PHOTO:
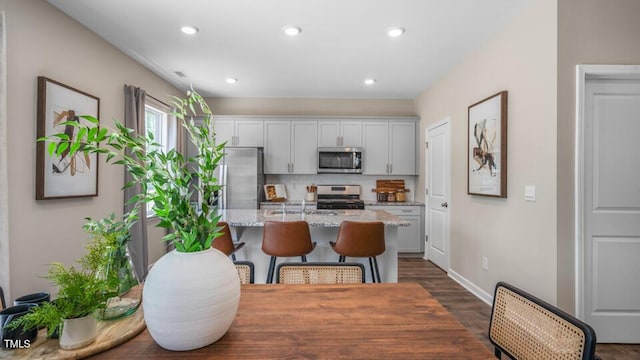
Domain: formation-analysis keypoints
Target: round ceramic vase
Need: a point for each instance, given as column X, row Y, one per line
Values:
column 189, row 300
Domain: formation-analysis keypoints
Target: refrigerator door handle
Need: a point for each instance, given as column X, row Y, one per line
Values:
column 224, row 186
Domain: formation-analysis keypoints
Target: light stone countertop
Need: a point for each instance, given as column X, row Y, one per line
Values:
column 393, row 203
column 366, row 202
column 315, row 218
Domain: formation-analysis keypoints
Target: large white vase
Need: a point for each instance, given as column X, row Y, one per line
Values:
column 190, row 299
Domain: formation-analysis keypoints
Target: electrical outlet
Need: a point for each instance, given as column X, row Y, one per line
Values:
column 485, row 263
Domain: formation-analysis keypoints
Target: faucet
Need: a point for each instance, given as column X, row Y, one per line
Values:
column 302, row 210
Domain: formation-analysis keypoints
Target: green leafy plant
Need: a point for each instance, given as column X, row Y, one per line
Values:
column 80, row 293
column 107, row 251
column 173, row 178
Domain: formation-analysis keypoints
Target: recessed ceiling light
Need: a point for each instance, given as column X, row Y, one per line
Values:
column 395, row 31
column 231, row 80
column 292, row 30
column 369, row 81
column 189, row 30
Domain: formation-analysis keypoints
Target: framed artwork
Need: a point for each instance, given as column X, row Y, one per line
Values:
column 487, row 147
column 275, row 192
column 63, row 176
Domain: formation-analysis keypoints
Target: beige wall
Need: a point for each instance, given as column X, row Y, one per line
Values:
column 518, row 237
column 42, row 41
column 311, row 107
column 589, row 32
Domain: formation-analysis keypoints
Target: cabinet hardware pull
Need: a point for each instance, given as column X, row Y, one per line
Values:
column 444, row 204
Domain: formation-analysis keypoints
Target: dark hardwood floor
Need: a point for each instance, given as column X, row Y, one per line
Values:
column 473, row 313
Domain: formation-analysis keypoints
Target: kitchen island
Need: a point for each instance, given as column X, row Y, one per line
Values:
column 246, row 226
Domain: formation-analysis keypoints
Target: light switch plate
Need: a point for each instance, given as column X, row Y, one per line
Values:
column 530, row 192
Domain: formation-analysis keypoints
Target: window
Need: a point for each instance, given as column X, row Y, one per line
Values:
column 157, row 122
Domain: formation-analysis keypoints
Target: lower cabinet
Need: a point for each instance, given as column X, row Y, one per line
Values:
column 409, row 238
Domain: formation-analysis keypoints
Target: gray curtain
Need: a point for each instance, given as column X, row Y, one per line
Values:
column 4, row 184
column 134, row 118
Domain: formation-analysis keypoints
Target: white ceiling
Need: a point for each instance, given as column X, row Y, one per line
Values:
column 342, row 42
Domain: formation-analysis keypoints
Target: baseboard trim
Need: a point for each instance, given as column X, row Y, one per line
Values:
column 473, row 288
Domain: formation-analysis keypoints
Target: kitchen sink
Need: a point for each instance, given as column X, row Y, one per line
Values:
column 308, row 212
column 321, row 212
column 279, row 212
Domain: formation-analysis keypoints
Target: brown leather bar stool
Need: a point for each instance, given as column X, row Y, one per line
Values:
column 361, row 239
column 225, row 243
column 285, row 239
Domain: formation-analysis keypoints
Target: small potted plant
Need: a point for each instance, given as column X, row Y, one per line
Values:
column 80, row 294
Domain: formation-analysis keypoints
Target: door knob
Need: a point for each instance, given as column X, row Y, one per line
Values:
column 444, row 204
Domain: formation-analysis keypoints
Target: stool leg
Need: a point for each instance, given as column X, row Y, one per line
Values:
column 233, row 257
column 375, row 262
column 304, row 258
column 373, row 276
column 341, row 258
column 272, row 265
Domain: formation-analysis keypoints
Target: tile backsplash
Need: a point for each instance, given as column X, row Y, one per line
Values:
column 296, row 185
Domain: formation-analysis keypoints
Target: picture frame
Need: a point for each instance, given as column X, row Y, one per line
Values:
column 60, row 177
column 487, row 147
column 275, row 192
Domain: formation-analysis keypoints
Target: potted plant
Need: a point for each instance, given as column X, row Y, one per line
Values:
column 80, row 294
column 191, row 294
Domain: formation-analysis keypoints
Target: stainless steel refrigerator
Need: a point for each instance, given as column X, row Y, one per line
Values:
column 242, row 178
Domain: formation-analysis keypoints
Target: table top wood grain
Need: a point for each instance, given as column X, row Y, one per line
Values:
column 369, row 321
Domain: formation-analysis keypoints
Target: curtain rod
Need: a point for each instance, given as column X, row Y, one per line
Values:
column 158, row 100
column 154, row 98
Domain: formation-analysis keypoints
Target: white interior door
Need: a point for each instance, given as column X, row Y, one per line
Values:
column 438, row 168
column 611, row 208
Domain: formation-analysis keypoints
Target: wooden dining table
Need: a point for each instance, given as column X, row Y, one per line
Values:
column 368, row 321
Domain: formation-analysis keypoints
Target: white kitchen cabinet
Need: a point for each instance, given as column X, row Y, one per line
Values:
column 375, row 155
column 244, row 132
column 389, row 147
column 225, row 131
column 290, row 147
column 304, row 147
column 409, row 238
column 345, row 133
column 402, row 148
column 277, row 146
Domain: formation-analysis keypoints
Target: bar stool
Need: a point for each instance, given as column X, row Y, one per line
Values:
column 285, row 239
column 361, row 239
column 225, row 242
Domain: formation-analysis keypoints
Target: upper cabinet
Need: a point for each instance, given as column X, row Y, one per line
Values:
column 291, row 143
column 290, row 147
column 389, row 147
column 239, row 131
column 332, row 133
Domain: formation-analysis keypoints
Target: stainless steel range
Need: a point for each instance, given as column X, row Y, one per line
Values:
column 339, row 197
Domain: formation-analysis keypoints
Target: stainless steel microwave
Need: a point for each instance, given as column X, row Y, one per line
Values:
column 340, row 160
